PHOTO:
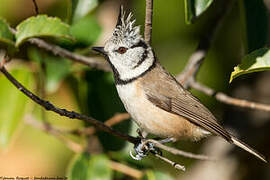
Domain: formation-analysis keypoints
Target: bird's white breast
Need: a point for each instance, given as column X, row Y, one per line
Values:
column 147, row 116
column 132, row 100
column 152, row 119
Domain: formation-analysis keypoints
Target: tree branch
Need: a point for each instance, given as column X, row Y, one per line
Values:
column 58, row 51
column 63, row 112
column 178, row 152
column 172, row 163
column 148, row 21
column 222, row 97
column 110, row 122
column 196, row 59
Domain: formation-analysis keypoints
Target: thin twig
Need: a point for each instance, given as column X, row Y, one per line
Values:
column 179, row 152
column 222, row 97
column 58, row 51
column 148, row 21
column 192, row 67
column 126, row 169
column 110, row 122
column 78, row 148
column 36, row 7
column 63, row 112
column 117, row 118
column 195, row 61
column 172, row 163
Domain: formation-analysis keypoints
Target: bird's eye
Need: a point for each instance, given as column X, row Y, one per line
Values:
column 122, row 50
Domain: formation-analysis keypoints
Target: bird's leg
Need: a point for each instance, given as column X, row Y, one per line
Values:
column 142, row 134
column 143, row 148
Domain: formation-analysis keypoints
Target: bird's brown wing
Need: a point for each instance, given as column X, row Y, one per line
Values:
column 167, row 94
column 192, row 110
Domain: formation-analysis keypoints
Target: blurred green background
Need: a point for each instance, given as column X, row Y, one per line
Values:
column 28, row 151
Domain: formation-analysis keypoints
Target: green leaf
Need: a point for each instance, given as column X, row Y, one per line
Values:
column 57, row 68
column 43, row 26
column 12, row 104
column 86, row 167
column 6, row 35
column 99, row 168
column 258, row 60
column 156, row 175
column 79, row 167
column 194, row 8
column 254, row 20
column 86, row 30
column 82, row 8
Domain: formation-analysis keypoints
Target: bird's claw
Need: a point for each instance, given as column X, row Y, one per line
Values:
column 142, row 149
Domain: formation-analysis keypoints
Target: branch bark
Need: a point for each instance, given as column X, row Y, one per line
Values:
column 148, row 21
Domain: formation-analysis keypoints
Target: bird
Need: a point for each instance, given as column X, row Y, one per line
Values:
column 156, row 101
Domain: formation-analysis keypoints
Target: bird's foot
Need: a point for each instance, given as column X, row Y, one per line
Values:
column 143, row 148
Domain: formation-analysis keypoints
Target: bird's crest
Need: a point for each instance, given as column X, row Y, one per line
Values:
column 125, row 31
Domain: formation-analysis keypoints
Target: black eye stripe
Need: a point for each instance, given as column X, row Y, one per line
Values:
column 140, row 44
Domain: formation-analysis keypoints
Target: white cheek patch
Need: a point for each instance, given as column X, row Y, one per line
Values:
column 127, row 71
column 131, row 57
column 131, row 64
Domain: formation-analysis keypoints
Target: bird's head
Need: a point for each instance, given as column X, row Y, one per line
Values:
column 126, row 51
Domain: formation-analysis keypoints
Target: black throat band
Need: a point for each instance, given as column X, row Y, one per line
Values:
column 119, row 81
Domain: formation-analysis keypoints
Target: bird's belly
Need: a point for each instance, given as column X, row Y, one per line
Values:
column 154, row 120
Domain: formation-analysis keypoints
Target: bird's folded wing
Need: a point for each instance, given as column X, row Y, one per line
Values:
column 185, row 105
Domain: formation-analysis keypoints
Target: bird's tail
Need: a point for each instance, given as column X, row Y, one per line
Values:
column 246, row 147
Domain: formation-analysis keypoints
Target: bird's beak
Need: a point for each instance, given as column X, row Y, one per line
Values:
column 100, row 50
